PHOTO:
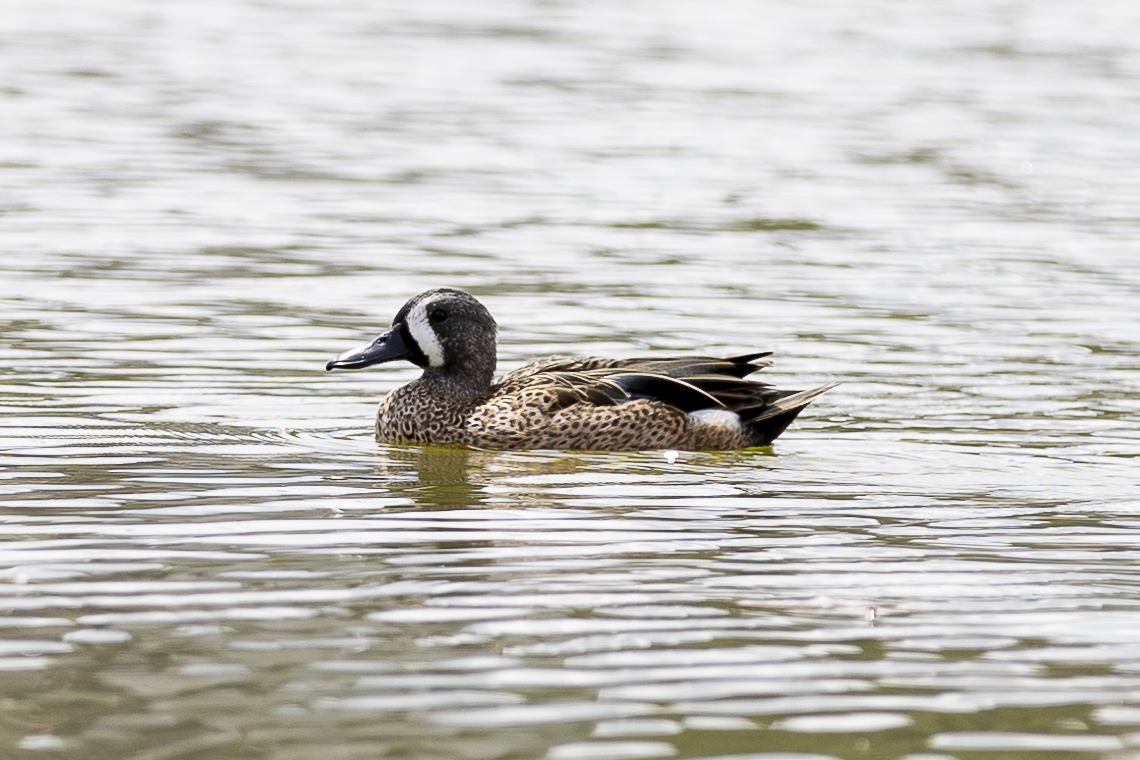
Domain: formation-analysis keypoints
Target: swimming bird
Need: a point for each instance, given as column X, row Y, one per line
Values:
column 583, row 403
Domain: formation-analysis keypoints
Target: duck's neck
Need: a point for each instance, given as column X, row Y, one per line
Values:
column 464, row 384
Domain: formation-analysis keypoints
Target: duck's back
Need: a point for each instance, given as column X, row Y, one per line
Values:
column 680, row 367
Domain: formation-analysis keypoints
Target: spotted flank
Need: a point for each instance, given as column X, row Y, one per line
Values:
column 583, row 403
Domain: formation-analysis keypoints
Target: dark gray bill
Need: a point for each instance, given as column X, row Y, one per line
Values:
column 388, row 347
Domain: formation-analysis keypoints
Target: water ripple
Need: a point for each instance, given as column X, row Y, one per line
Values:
column 204, row 553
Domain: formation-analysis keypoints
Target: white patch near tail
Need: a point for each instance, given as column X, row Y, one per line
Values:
column 424, row 334
column 721, row 418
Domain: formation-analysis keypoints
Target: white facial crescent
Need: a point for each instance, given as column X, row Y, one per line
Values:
column 424, row 335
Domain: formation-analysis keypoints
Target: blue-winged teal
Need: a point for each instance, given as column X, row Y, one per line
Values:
column 695, row 403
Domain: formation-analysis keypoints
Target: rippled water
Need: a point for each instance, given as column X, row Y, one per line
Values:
column 205, row 556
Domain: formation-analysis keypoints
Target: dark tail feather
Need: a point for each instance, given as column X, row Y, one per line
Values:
column 774, row 418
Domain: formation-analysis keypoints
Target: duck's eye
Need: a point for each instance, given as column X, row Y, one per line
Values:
column 438, row 315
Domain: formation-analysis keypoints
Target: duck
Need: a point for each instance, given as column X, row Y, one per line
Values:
column 584, row 403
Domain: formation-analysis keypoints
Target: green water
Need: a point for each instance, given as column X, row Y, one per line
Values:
column 204, row 556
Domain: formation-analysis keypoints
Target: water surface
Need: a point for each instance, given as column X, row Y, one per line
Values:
column 205, row 555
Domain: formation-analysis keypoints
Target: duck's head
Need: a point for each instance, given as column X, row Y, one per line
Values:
column 445, row 331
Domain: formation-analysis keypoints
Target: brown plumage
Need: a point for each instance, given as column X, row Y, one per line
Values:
column 585, row 403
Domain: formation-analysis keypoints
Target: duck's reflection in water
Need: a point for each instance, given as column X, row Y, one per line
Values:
column 451, row 477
